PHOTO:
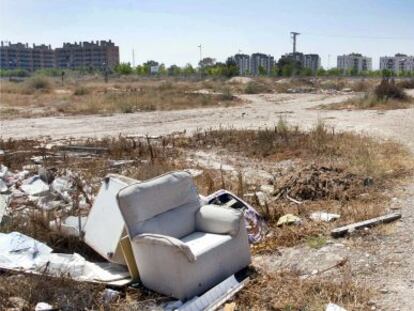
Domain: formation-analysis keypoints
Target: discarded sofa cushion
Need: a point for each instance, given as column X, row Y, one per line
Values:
column 217, row 219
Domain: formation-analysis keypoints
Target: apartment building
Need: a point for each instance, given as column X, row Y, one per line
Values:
column 99, row 54
column 243, row 62
column 308, row 61
column 312, row 62
column 23, row 56
column 398, row 63
column 260, row 60
column 354, row 62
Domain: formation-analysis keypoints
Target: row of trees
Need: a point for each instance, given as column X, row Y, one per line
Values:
column 284, row 68
column 209, row 67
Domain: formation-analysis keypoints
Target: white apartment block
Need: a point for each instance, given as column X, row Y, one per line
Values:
column 398, row 63
column 243, row 62
column 355, row 62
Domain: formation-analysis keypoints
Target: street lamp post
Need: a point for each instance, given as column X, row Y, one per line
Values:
column 201, row 64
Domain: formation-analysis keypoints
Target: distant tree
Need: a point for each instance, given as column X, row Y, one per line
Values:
column 321, row 72
column 207, row 62
column 162, row 71
column 262, row 71
column 188, row 70
column 386, row 73
column 174, row 70
column 123, row 69
column 147, row 66
column 231, row 68
column 140, row 70
column 288, row 66
column 307, row 72
column 334, row 72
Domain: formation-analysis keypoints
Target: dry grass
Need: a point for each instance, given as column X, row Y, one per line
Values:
column 45, row 97
column 385, row 96
column 371, row 102
column 286, row 291
column 67, row 295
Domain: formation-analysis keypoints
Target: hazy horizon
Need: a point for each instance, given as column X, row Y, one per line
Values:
column 170, row 32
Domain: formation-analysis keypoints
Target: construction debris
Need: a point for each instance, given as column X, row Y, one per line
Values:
column 255, row 224
column 35, row 186
column 21, row 253
column 70, row 226
column 43, row 306
column 289, row 219
column 323, row 216
column 333, row 307
column 341, row 231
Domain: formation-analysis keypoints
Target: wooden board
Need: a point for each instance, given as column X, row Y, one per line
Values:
column 341, row 231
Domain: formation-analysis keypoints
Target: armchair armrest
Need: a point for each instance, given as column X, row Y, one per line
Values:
column 217, row 219
column 165, row 241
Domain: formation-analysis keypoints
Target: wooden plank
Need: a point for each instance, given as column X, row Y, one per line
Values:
column 129, row 258
column 341, row 231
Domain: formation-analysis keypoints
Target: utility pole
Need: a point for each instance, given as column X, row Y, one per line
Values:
column 293, row 35
column 201, row 64
column 133, row 58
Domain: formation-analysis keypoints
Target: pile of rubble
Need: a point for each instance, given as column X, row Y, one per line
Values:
column 320, row 182
column 44, row 190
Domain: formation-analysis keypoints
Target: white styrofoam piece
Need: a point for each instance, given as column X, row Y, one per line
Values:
column 105, row 226
column 20, row 252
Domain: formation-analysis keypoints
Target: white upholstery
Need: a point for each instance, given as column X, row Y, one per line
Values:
column 217, row 219
column 181, row 250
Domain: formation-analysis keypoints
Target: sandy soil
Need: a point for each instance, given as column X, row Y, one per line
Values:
column 390, row 269
column 259, row 111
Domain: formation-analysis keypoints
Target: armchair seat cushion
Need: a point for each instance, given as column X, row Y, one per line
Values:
column 202, row 242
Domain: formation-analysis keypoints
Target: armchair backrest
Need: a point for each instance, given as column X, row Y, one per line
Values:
column 163, row 205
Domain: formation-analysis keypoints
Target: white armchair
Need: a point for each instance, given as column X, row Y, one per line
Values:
column 181, row 248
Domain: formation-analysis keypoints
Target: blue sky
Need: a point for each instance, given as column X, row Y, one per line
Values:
column 170, row 31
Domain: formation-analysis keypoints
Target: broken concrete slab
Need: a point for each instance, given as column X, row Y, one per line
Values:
column 34, row 186
column 323, row 216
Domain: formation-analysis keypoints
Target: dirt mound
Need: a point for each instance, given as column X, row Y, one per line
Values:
column 319, row 182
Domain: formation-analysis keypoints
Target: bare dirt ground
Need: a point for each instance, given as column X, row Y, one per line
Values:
column 388, row 266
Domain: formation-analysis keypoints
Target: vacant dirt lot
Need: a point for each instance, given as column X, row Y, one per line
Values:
column 388, row 267
column 258, row 111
